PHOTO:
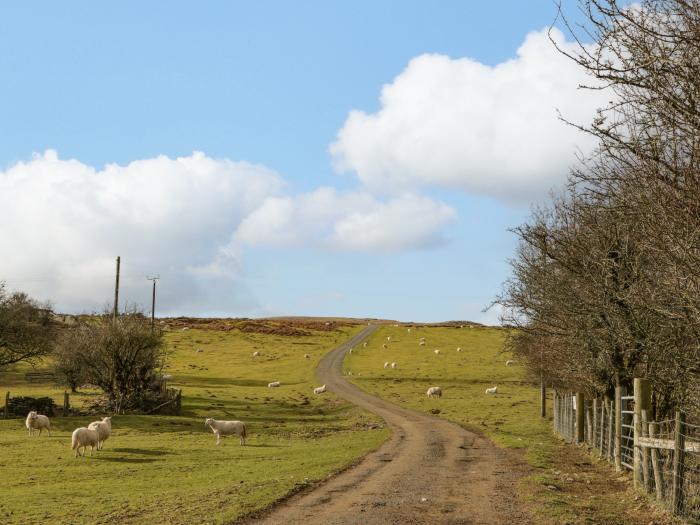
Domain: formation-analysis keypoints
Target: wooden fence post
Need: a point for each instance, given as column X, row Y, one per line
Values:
column 7, row 405
column 678, row 463
column 580, row 420
column 642, row 401
column 658, row 474
column 618, row 428
column 645, row 451
column 602, row 426
column 555, row 409
column 611, row 430
column 589, row 426
column 543, row 398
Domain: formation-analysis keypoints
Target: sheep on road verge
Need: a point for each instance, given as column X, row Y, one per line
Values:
column 84, row 437
column 37, row 422
column 434, row 391
column 226, row 428
column 104, row 430
column 320, row 389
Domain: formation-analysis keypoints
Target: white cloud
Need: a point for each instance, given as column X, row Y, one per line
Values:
column 487, row 130
column 351, row 221
column 64, row 222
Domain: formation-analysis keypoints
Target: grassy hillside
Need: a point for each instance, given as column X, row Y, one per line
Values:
column 564, row 485
column 162, row 469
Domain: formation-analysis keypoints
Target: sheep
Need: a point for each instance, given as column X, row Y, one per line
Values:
column 384, row 345
column 307, row 356
column 37, row 421
column 227, row 428
column 84, row 437
column 434, row 391
column 422, row 343
column 422, row 339
column 256, row 354
column 320, row 389
column 350, row 351
column 408, row 330
column 364, row 345
column 394, row 365
column 436, row 351
column 274, row 384
column 386, row 365
column 199, row 350
column 459, row 348
column 104, row 430
column 388, row 338
column 509, row 362
column 492, row 390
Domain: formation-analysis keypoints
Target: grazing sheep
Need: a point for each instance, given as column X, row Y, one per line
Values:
column 459, row 348
column 364, row 345
column 436, row 351
column 422, row 343
column 320, row 389
column 408, row 330
column 37, row 421
column 84, row 437
column 434, row 391
column 492, row 390
column 394, row 365
column 307, row 356
column 350, row 352
column 386, row 365
column 104, row 430
column 422, row 339
column 256, row 354
column 199, row 350
column 274, row 384
column 509, row 362
column 384, row 345
column 388, row 338
column 227, row 428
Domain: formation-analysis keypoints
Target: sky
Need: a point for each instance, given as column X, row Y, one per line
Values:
column 346, row 158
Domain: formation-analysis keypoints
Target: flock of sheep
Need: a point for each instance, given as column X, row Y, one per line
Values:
column 433, row 391
column 97, row 432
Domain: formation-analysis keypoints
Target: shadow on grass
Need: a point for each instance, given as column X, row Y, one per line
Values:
column 142, row 451
column 125, row 460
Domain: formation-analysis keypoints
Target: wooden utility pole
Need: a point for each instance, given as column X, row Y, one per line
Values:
column 116, row 292
column 580, row 421
column 153, row 301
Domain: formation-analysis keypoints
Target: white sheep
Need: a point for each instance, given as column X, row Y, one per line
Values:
column 394, row 365
column 37, row 421
column 320, row 389
column 274, row 384
column 408, row 330
column 256, row 354
column 422, row 343
column 422, row 339
column 384, row 345
column 307, row 356
column 386, row 364
column 350, row 352
column 436, row 351
column 492, row 390
column 226, row 428
column 104, row 430
column 434, row 391
column 509, row 362
column 459, row 348
column 364, row 345
column 83, row 437
column 388, row 338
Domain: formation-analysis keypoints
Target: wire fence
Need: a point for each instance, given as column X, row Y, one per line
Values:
column 663, row 456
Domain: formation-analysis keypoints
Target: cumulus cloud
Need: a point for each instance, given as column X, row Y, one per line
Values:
column 350, row 221
column 459, row 123
column 64, row 222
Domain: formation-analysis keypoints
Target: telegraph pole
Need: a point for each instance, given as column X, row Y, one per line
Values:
column 116, row 292
column 153, row 302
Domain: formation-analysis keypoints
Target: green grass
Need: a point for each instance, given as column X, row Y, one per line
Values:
column 564, row 484
column 163, row 469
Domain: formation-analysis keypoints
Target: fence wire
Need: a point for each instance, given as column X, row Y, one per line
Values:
column 675, row 483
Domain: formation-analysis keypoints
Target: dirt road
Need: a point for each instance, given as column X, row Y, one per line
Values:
column 429, row 472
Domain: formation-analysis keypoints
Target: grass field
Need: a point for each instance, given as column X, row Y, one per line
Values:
column 163, row 469
column 564, row 485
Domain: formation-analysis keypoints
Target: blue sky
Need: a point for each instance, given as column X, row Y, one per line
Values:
column 271, row 85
